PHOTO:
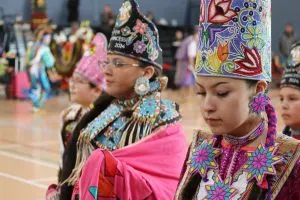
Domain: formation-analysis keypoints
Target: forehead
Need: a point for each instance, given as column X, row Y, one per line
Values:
column 78, row 75
column 289, row 91
column 207, row 81
column 119, row 57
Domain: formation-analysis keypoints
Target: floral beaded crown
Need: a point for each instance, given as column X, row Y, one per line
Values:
column 135, row 36
column 235, row 39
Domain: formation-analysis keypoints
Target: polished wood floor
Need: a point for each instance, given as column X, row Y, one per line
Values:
column 29, row 142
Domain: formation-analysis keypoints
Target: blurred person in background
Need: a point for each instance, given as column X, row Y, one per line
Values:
column 290, row 94
column 288, row 38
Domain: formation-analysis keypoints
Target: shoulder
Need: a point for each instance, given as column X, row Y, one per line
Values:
column 287, row 143
column 288, row 148
column 169, row 113
column 72, row 112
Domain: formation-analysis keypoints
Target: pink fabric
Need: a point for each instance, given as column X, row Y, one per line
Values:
column 22, row 84
column 88, row 66
column 149, row 169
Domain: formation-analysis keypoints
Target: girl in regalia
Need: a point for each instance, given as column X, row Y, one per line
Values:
column 243, row 157
column 86, row 85
column 131, row 145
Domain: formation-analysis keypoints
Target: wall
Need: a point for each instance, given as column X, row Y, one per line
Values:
column 283, row 11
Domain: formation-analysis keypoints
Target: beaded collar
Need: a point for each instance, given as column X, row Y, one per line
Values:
column 250, row 137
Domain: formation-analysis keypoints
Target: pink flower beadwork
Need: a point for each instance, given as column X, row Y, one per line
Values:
column 140, row 27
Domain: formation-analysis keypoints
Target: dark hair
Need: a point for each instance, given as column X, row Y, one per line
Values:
column 251, row 83
column 157, row 71
column 69, row 156
column 92, row 85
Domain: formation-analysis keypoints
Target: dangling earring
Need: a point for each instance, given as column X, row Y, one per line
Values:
column 258, row 103
column 142, row 86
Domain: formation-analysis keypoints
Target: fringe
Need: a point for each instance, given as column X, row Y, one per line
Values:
column 140, row 129
column 85, row 150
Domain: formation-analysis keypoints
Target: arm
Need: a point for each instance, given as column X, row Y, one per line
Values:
column 110, row 179
column 47, row 58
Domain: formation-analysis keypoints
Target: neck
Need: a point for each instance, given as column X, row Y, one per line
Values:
column 246, row 127
column 295, row 132
column 295, row 127
column 127, row 97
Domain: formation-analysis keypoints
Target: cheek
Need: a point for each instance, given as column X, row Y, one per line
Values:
column 234, row 111
column 295, row 109
column 127, row 80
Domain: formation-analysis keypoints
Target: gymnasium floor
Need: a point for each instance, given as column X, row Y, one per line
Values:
column 29, row 142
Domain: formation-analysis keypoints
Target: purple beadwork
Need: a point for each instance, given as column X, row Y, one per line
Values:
column 247, row 139
column 258, row 103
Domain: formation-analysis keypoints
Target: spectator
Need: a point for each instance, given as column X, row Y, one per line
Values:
column 107, row 20
column 185, row 57
column 73, row 10
column 150, row 16
column 288, row 38
column 277, row 71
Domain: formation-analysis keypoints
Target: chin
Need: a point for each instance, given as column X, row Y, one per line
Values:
column 219, row 130
column 292, row 125
column 110, row 92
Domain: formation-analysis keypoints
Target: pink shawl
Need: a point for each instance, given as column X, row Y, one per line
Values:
column 149, row 169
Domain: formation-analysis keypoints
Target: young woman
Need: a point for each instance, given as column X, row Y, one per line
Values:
column 290, row 94
column 131, row 145
column 86, row 85
column 242, row 157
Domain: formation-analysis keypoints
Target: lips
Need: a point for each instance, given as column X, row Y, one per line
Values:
column 285, row 116
column 108, row 82
column 212, row 121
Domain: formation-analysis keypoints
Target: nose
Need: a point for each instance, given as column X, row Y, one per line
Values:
column 208, row 104
column 108, row 70
column 71, row 85
column 284, row 104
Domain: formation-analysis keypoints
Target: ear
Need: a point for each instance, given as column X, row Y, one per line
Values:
column 261, row 86
column 97, row 92
column 148, row 72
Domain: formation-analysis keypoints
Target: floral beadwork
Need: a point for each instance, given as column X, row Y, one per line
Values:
column 203, row 158
column 220, row 11
column 220, row 190
column 234, row 39
column 261, row 162
column 139, row 47
column 125, row 13
column 140, row 27
column 258, row 103
column 253, row 36
column 135, row 35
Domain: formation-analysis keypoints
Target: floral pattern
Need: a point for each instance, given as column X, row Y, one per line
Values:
column 203, row 158
column 254, row 37
column 219, row 11
column 261, row 162
column 235, row 37
column 140, row 27
column 251, row 64
column 125, row 13
column 136, row 36
column 220, row 190
column 139, row 47
column 223, row 52
column 214, row 61
column 258, row 103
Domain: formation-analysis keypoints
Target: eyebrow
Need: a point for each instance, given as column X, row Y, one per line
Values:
column 215, row 85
